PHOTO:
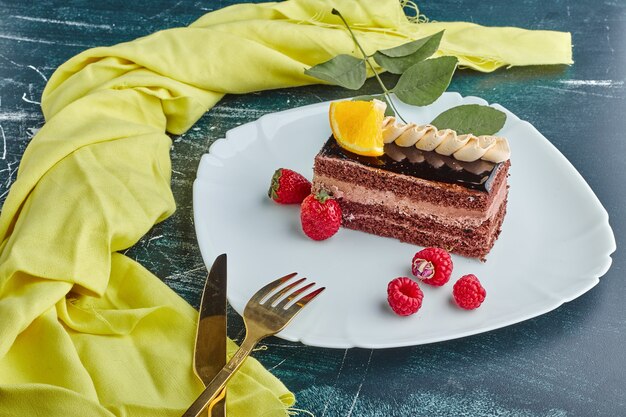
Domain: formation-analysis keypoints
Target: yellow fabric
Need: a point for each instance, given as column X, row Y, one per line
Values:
column 85, row 330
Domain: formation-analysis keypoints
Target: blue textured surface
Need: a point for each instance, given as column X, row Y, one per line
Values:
column 570, row 362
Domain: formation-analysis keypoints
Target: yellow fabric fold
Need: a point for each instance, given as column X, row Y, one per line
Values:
column 86, row 330
column 489, row 48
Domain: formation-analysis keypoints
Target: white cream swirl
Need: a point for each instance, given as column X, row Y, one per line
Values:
column 466, row 148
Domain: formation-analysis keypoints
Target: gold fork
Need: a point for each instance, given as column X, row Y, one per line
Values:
column 261, row 319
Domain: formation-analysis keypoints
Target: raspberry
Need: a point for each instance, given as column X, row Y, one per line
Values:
column 404, row 296
column 468, row 293
column 432, row 266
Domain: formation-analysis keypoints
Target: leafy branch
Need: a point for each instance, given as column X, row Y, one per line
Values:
column 366, row 59
column 422, row 79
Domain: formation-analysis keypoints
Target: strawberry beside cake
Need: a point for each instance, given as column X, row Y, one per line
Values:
column 430, row 187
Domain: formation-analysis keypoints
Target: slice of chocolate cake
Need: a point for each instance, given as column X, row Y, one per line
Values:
column 419, row 195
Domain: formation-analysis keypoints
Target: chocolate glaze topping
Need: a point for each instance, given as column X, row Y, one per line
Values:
column 477, row 175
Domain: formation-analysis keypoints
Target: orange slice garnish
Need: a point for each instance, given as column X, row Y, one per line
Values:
column 357, row 126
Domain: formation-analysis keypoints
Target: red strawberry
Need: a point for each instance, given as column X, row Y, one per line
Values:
column 288, row 187
column 320, row 215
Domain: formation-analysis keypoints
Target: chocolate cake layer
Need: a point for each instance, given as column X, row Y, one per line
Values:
column 470, row 243
column 426, row 223
column 431, row 166
column 404, row 205
column 331, row 171
column 438, row 193
column 418, row 197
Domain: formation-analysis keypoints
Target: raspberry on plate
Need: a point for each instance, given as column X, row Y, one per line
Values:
column 468, row 292
column 404, row 296
column 320, row 215
column 432, row 266
column 288, row 187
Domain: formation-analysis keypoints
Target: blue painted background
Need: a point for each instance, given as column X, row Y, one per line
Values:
column 570, row 362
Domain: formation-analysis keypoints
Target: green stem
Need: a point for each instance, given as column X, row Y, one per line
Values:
column 386, row 92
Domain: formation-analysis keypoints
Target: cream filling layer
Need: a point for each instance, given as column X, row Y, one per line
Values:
column 446, row 215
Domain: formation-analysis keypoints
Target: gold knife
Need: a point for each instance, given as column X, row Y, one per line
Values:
column 210, row 349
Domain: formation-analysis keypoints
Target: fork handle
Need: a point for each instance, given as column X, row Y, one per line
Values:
column 218, row 383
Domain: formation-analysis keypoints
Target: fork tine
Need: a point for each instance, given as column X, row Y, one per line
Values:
column 294, row 295
column 282, row 292
column 304, row 301
column 267, row 289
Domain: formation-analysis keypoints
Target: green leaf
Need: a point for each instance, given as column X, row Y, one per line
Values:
column 471, row 118
column 388, row 111
column 425, row 81
column 399, row 59
column 344, row 70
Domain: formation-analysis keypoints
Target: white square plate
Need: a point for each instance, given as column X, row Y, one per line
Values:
column 555, row 243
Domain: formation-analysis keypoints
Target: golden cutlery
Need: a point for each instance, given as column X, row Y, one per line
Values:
column 210, row 347
column 266, row 314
